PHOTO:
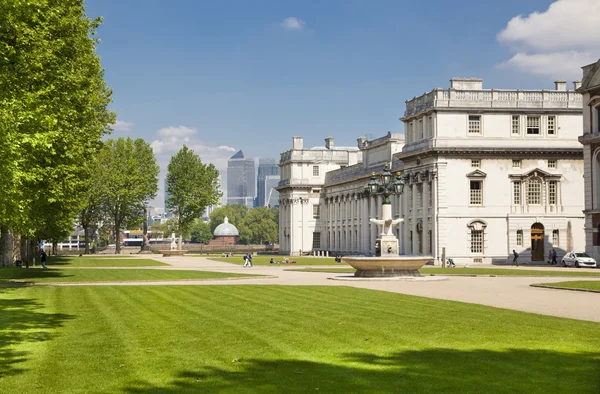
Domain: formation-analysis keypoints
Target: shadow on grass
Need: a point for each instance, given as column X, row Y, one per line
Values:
column 28, row 275
column 423, row 371
column 21, row 321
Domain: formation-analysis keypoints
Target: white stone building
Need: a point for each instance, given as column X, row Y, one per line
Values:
column 489, row 171
column 302, row 178
column 590, row 139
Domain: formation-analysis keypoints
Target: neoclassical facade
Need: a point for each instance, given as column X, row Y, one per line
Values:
column 486, row 172
column 492, row 171
column 590, row 139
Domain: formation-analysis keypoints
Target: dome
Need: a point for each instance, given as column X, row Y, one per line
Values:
column 226, row 229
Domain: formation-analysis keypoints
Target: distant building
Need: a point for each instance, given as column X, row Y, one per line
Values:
column 225, row 234
column 241, row 180
column 590, row 88
column 267, row 180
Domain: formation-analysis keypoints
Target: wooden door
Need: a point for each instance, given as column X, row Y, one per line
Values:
column 537, row 242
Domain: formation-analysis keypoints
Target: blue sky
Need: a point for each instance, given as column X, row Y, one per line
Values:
column 227, row 75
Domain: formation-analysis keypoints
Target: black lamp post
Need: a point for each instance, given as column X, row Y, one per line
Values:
column 381, row 184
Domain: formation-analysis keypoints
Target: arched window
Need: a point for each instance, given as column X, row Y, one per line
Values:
column 477, row 228
column 534, row 191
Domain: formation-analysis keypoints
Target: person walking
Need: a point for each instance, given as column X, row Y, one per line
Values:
column 250, row 259
column 247, row 260
column 515, row 258
column 554, row 262
column 44, row 257
column 550, row 257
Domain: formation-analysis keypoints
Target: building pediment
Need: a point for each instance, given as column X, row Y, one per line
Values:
column 536, row 172
column 476, row 174
column 592, row 79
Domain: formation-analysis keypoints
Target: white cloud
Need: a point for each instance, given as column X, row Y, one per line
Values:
column 169, row 141
column 555, row 42
column 122, row 126
column 293, row 23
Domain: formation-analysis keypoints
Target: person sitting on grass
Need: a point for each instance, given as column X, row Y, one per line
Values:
column 271, row 261
column 338, row 259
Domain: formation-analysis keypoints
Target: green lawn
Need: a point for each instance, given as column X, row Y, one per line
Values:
column 39, row 275
column 277, row 339
column 100, row 261
column 579, row 284
column 470, row 271
column 264, row 260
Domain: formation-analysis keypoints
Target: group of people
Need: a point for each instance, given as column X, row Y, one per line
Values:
column 248, row 260
column 285, row 261
column 551, row 257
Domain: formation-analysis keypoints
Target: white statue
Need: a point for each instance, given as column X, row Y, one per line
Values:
column 386, row 222
column 173, row 242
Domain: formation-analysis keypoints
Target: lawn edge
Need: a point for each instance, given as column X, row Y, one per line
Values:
column 563, row 288
column 29, row 284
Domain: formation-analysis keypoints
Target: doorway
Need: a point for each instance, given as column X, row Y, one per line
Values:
column 537, row 242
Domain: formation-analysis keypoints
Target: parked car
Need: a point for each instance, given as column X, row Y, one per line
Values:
column 578, row 260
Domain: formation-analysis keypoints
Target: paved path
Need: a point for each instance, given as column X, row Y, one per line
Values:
column 502, row 292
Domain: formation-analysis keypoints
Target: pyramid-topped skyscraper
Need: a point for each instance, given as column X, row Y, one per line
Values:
column 241, row 180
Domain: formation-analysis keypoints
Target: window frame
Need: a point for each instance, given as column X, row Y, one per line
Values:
column 516, row 163
column 517, row 193
column 316, row 171
column 552, row 163
column 479, row 125
column 316, row 240
column 554, row 126
column 537, row 201
column 528, row 127
column 475, row 163
column 515, row 125
column 316, row 214
column 519, row 237
column 476, row 194
column 555, row 238
column 477, row 241
column 552, row 192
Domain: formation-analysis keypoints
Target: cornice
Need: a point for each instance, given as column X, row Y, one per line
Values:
column 505, row 151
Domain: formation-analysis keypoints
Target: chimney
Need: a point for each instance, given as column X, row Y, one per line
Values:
column 329, row 142
column 362, row 142
column 298, row 143
column 576, row 85
column 560, row 85
column 466, row 83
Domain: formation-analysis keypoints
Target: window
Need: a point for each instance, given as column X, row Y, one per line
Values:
column 552, row 192
column 516, row 193
column 316, row 240
column 534, row 192
column 430, row 194
column 475, row 163
column 410, row 197
column 420, row 195
column 410, row 241
column 551, row 163
column 430, row 125
column 555, row 238
column 519, row 237
column 430, row 247
column 474, row 124
column 476, row 193
column 476, row 241
column 315, row 170
column 551, row 125
column 516, row 163
column 316, row 211
column 516, row 125
column 533, row 125
column 420, row 129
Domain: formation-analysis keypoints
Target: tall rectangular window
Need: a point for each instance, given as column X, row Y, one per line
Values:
column 552, row 192
column 430, row 194
column 555, row 238
column 420, row 129
column 516, row 193
column 474, row 124
column 515, row 125
column 430, row 125
column 476, row 241
column 316, row 240
column 410, row 197
column 551, row 125
column 430, row 248
column 315, row 170
column 533, row 125
column 519, row 237
column 316, row 211
column 410, row 241
column 476, row 193
column 420, row 195
column 534, row 192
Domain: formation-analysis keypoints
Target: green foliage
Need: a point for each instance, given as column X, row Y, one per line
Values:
column 235, row 213
column 192, row 186
column 200, row 232
column 259, row 226
column 53, row 112
column 127, row 175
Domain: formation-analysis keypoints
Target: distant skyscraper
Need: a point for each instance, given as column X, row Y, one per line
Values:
column 267, row 180
column 241, row 180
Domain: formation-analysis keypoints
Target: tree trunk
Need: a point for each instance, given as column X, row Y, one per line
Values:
column 33, row 251
column 86, row 238
column 25, row 258
column 54, row 249
column 6, row 247
column 117, row 237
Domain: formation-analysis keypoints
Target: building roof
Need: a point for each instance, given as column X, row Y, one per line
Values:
column 226, row 229
column 238, row 155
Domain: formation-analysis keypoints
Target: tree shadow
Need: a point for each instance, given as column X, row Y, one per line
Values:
column 21, row 321
column 28, row 275
column 420, row 371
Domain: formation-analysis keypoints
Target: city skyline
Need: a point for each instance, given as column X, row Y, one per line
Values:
column 225, row 76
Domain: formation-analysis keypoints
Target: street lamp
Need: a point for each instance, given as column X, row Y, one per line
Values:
column 384, row 185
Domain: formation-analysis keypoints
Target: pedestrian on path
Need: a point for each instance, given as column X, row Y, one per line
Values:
column 554, row 262
column 44, row 257
column 248, row 260
column 515, row 258
column 550, row 257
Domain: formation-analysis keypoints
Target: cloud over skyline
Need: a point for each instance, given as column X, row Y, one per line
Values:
column 556, row 42
column 122, row 127
column 293, row 23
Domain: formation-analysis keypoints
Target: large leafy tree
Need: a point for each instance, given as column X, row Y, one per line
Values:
column 53, row 112
column 191, row 186
column 200, row 232
column 128, row 177
column 259, row 226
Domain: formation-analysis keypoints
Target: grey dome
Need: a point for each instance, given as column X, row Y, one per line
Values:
column 226, row 229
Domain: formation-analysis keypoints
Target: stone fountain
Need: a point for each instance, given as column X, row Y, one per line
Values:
column 387, row 262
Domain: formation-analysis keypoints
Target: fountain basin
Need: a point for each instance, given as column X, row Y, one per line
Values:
column 386, row 266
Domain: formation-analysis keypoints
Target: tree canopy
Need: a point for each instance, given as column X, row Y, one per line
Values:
column 200, row 232
column 259, row 226
column 191, row 186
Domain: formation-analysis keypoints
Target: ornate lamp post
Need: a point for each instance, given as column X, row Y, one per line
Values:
column 382, row 184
